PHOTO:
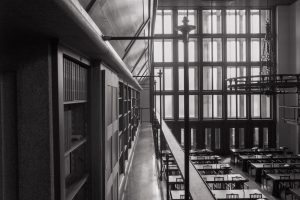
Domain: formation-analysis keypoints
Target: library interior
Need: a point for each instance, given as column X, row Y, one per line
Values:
column 149, row 99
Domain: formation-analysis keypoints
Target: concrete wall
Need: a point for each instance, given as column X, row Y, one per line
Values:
column 288, row 61
column 145, row 101
column 8, row 137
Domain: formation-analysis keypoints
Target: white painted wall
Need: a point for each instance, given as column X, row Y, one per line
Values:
column 288, row 61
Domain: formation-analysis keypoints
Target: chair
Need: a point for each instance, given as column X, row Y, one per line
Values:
column 255, row 196
column 232, row 196
column 236, row 185
column 219, row 185
column 285, row 186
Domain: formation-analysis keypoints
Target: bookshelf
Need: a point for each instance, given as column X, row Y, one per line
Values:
column 76, row 148
column 128, row 122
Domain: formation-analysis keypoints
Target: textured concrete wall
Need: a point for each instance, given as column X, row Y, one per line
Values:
column 8, row 137
column 145, row 101
column 288, row 61
column 34, row 128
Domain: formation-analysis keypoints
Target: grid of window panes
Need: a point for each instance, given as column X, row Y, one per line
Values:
column 226, row 43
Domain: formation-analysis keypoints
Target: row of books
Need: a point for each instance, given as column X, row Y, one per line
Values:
column 75, row 81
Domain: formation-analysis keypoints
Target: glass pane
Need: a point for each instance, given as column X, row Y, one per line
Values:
column 241, row 106
column 181, row 106
column 231, row 106
column 156, row 72
column 254, row 21
column 216, row 21
column 266, row 137
column 231, row 50
column 217, row 138
column 230, row 21
column 255, row 49
column 158, row 51
column 168, row 78
column 180, row 78
column 255, row 71
column 231, row 73
column 241, row 50
column 207, row 50
column 158, row 22
column 241, row 21
column 180, row 51
column 208, row 138
column 157, row 101
column 193, row 78
column 256, row 137
column 206, row 23
column 241, row 138
column 168, row 29
column 168, row 51
column 264, row 17
column 232, row 137
column 207, row 78
column 217, row 49
column 207, row 106
column 265, row 106
column 192, row 50
column 255, row 105
column 217, row 106
column 193, row 138
column 217, row 78
column 168, row 106
column 193, row 106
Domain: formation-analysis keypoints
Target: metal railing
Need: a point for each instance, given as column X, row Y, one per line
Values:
column 290, row 114
column 198, row 188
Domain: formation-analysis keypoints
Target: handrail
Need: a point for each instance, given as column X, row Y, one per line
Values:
column 106, row 51
column 198, row 188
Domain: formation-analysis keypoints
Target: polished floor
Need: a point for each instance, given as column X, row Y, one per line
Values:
column 143, row 183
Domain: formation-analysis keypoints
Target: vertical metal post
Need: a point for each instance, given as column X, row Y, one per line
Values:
column 185, row 29
column 167, row 171
column 160, row 130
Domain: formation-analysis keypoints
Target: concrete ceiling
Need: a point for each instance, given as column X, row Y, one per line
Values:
column 224, row 3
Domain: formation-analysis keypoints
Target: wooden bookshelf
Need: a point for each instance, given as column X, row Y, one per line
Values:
column 75, row 95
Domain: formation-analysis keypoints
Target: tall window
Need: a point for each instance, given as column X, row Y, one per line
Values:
column 227, row 43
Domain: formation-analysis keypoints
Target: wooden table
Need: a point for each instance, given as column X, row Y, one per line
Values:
column 177, row 194
column 261, row 166
column 205, row 159
column 235, row 181
column 243, row 194
column 245, row 159
column 198, row 152
column 296, row 193
column 173, row 170
column 276, row 181
column 236, row 152
column 218, row 168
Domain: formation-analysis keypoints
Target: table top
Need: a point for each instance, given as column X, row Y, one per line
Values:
column 296, row 192
column 227, row 178
column 292, row 176
column 243, row 194
column 175, row 194
column 213, row 166
column 273, row 165
column 213, row 157
column 258, row 150
column 265, row 157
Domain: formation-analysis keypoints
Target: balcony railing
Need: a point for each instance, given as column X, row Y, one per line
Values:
column 198, row 188
column 290, row 114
